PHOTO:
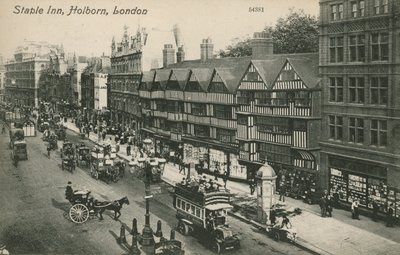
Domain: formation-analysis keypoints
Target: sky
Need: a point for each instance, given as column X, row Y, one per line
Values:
column 91, row 35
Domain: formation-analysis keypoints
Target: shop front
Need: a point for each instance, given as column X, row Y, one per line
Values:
column 355, row 179
column 214, row 159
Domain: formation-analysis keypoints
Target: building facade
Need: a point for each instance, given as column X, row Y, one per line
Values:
column 23, row 73
column 234, row 114
column 360, row 67
column 126, row 68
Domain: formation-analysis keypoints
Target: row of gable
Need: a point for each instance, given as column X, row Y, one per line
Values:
column 278, row 73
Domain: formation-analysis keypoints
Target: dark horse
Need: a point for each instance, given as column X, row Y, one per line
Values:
column 113, row 206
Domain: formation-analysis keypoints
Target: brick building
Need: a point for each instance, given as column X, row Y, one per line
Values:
column 360, row 67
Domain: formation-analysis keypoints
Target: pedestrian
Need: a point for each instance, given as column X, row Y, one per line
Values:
column 103, row 135
column 87, row 131
column 282, row 192
column 336, row 198
column 354, row 210
column 3, row 249
column 252, row 184
column 128, row 150
column 48, row 150
column 3, row 129
column 323, row 206
column 69, row 192
column 390, row 218
column 216, row 171
column 225, row 178
column 375, row 210
column 181, row 165
column 272, row 215
column 329, row 206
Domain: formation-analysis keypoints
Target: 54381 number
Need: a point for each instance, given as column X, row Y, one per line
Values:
column 256, row 9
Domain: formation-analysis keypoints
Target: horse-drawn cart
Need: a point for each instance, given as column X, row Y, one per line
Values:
column 68, row 157
column 84, row 206
column 83, row 156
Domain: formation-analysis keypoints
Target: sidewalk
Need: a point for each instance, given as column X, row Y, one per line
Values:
column 337, row 235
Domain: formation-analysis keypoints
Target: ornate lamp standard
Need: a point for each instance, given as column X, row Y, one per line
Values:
column 149, row 165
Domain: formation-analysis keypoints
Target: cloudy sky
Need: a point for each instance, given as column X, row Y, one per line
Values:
column 91, row 35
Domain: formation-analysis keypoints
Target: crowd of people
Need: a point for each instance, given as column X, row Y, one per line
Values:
column 201, row 184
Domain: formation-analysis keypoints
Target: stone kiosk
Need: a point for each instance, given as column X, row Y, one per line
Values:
column 265, row 179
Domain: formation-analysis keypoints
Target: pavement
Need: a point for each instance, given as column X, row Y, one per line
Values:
column 336, row 235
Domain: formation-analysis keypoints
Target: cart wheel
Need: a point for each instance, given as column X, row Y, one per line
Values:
column 79, row 213
column 217, row 248
column 276, row 236
column 183, row 228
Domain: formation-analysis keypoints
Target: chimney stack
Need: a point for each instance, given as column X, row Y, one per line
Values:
column 180, row 55
column 168, row 55
column 207, row 48
column 262, row 45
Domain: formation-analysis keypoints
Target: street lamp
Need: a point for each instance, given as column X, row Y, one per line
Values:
column 150, row 166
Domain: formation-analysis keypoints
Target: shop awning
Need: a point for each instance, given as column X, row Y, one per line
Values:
column 215, row 207
column 305, row 155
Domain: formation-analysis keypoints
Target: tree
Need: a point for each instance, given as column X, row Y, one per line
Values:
column 295, row 33
column 240, row 47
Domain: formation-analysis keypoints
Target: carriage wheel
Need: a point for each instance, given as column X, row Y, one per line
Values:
column 79, row 213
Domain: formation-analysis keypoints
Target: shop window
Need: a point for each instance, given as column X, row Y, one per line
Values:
column 178, row 203
column 356, row 90
column 335, row 127
column 187, row 207
column 183, row 207
column 377, row 190
column 380, row 47
column 197, row 212
column 223, row 111
column 379, row 133
column 336, row 89
column 356, row 130
column 336, row 49
column 379, row 90
column 357, row 189
column 357, row 48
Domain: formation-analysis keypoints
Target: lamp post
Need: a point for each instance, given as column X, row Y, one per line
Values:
column 149, row 165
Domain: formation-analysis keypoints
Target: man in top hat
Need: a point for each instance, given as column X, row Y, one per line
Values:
column 3, row 249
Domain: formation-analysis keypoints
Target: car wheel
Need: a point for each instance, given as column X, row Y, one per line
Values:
column 217, row 248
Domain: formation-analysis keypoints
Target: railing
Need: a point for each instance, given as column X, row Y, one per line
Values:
column 144, row 94
column 172, row 94
column 157, row 94
column 160, row 114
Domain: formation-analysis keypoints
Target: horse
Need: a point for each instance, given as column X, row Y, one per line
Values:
column 115, row 206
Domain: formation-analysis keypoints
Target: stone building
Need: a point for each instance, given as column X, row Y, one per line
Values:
column 360, row 67
column 23, row 73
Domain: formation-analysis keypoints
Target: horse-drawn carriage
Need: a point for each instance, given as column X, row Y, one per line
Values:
column 102, row 167
column 84, row 205
column 83, row 156
column 68, row 157
column 60, row 132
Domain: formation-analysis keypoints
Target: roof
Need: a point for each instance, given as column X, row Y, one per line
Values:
column 182, row 76
column 162, row 76
column 269, row 69
column 147, row 79
column 214, row 207
column 307, row 69
column 203, row 76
